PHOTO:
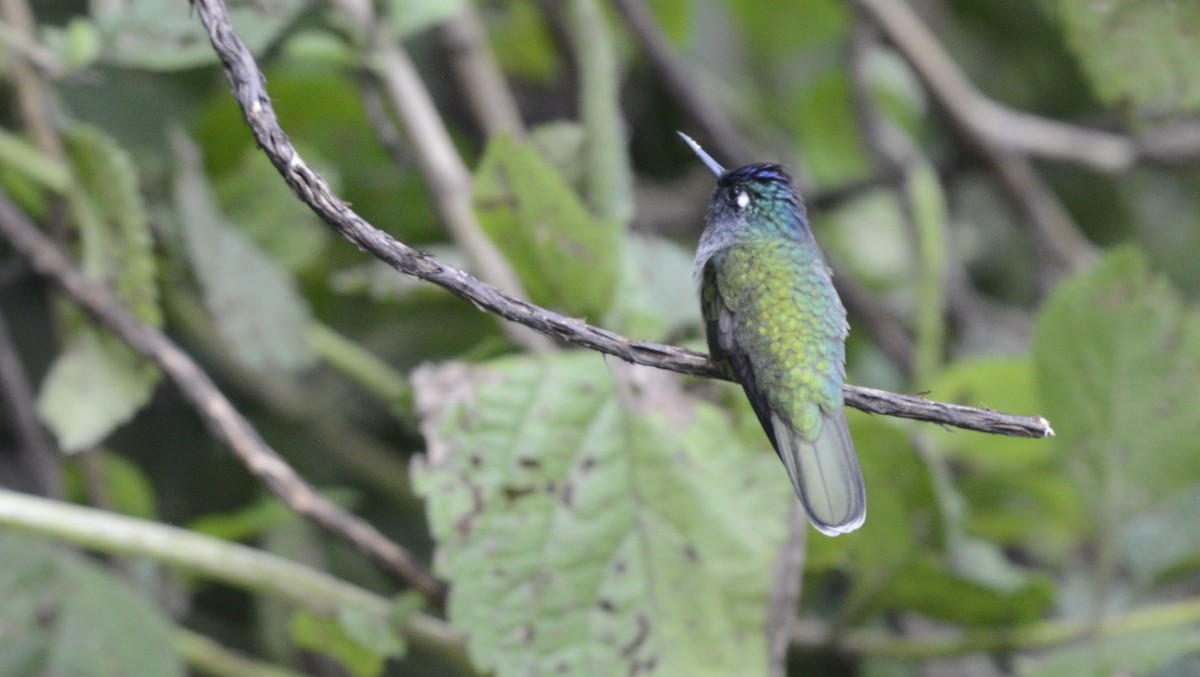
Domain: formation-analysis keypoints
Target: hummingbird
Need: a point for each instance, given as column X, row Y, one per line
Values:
column 776, row 325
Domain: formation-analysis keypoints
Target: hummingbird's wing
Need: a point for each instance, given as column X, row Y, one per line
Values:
column 719, row 323
column 824, row 470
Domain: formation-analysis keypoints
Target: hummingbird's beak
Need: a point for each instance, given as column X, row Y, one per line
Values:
column 705, row 157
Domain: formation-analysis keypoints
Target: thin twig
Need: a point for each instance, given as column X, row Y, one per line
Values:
column 31, row 95
column 1012, row 129
column 248, row 89
column 35, row 448
column 479, row 77
column 381, row 121
column 218, row 413
column 895, row 153
column 784, row 595
column 808, row 634
column 447, row 177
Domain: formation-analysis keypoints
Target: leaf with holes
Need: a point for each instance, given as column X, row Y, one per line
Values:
column 593, row 527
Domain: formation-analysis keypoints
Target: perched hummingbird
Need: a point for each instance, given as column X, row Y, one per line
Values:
column 775, row 324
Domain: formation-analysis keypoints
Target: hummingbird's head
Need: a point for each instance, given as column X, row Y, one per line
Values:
column 760, row 194
column 754, row 196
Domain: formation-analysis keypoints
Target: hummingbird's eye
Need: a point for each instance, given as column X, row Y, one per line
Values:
column 741, row 199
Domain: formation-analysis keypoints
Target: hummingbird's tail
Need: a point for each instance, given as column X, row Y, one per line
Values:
column 825, row 473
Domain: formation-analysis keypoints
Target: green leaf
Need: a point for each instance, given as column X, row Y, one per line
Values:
column 118, row 246
column 1140, row 53
column 594, row 529
column 901, row 515
column 565, row 257
column 63, row 615
column 359, row 641
column 96, row 384
column 929, row 587
column 259, row 204
column 523, row 44
column 999, row 383
column 78, row 44
column 1118, row 359
column 654, row 298
column 1155, row 545
column 768, row 32
column 409, row 17
column 245, row 523
column 1015, row 489
column 155, row 35
column 255, row 305
column 130, row 492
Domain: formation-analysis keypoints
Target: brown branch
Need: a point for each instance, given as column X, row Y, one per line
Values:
column 35, row 449
column 218, row 413
column 1006, row 138
column 248, row 88
column 1019, row 131
column 478, row 74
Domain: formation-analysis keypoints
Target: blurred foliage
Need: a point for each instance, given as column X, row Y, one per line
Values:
column 590, row 518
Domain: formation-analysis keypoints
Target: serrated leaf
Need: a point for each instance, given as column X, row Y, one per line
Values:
column 96, row 384
column 257, row 203
column 107, row 207
column 1118, row 359
column 565, row 257
column 587, row 531
column 331, row 637
column 155, row 35
column 62, row 615
column 1144, row 53
column 255, row 305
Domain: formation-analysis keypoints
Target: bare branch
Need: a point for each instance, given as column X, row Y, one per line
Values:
column 247, row 83
column 984, row 118
column 35, row 449
column 1005, row 137
column 479, row 76
column 448, row 179
column 218, row 413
